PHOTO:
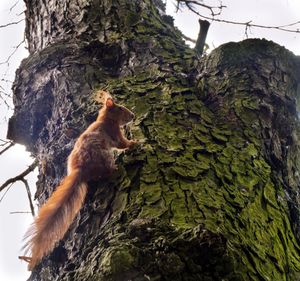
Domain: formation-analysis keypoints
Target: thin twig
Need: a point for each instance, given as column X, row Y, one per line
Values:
column 188, row 38
column 4, row 142
column 4, row 93
column 248, row 24
column 5, row 102
column 19, row 212
column 20, row 14
column 21, row 176
column 214, row 10
column 13, row 6
column 5, row 192
column 14, row 51
column 11, row 144
column 11, row 23
column 29, row 196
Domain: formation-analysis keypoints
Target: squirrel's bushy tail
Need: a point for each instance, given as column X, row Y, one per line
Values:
column 55, row 217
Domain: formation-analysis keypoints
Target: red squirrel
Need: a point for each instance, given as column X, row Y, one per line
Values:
column 91, row 158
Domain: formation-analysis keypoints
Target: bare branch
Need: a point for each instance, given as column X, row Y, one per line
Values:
column 11, row 144
column 13, row 6
column 11, row 23
column 4, row 100
column 4, row 142
column 21, row 176
column 29, row 196
column 5, row 192
column 19, row 212
column 188, row 38
column 4, row 93
column 14, row 51
column 214, row 10
column 190, row 4
column 249, row 24
column 20, row 14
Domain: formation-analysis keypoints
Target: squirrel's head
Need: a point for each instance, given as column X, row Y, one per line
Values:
column 117, row 113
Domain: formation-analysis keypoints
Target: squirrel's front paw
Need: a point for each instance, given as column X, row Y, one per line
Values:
column 132, row 143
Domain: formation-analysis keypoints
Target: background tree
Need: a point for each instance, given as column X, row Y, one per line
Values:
column 211, row 193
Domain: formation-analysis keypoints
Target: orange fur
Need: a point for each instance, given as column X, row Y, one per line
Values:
column 91, row 158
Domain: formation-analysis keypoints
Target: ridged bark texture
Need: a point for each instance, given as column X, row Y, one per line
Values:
column 211, row 193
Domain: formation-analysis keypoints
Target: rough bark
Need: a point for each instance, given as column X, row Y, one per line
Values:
column 212, row 191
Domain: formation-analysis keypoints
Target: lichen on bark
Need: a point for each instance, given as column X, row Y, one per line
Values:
column 211, row 191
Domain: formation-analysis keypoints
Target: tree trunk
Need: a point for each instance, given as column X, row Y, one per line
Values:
column 211, row 192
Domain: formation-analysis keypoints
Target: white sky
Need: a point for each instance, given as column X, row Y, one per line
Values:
column 16, row 160
column 262, row 12
column 13, row 227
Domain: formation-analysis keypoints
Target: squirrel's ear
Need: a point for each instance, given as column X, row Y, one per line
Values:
column 109, row 102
